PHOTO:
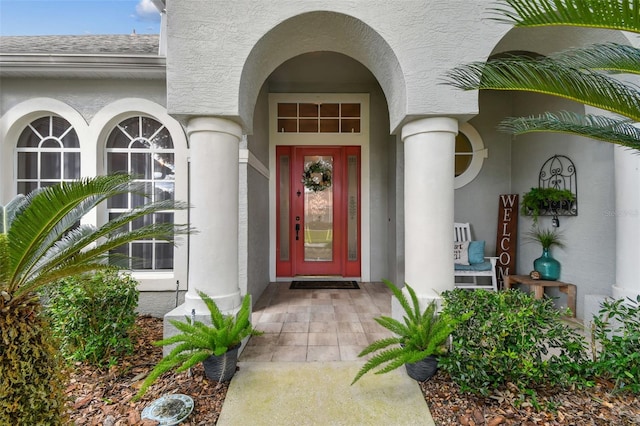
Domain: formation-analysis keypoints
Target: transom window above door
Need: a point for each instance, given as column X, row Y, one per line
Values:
column 318, row 117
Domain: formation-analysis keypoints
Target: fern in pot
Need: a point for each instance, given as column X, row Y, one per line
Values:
column 418, row 341
column 215, row 345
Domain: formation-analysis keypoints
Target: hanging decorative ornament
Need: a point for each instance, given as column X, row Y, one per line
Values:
column 317, row 176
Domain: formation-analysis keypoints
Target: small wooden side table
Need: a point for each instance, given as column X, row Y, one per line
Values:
column 538, row 287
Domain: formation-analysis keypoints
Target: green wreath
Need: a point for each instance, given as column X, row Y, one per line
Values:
column 317, row 176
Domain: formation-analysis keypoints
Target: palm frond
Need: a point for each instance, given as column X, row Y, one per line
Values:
column 9, row 212
column 389, row 355
column 549, row 77
column 399, row 295
column 619, row 131
column 380, row 344
column 608, row 14
column 45, row 216
column 611, row 57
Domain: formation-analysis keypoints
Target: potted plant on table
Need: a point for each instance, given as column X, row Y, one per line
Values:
column 538, row 200
column 546, row 265
column 215, row 345
column 418, row 341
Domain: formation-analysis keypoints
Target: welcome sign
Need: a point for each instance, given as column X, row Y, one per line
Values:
column 507, row 240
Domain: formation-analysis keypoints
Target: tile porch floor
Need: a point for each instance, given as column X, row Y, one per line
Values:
column 316, row 325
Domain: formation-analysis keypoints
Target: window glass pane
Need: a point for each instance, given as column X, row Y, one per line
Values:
column 308, row 110
column 50, row 143
column 284, row 191
column 309, row 126
column 26, row 187
column 71, row 165
column 463, row 144
column 163, row 167
column 287, row 110
column 352, row 218
column 318, row 217
column 330, row 126
column 120, row 201
column 117, row 139
column 164, row 191
column 350, row 126
column 50, row 165
column 131, row 127
column 462, row 163
column 142, row 254
column 42, row 127
column 59, row 126
column 162, row 140
column 149, row 127
column 140, row 144
column 140, row 200
column 330, row 110
column 70, row 140
column 117, row 162
column 28, row 139
column 141, row 165
column 350, row 110
column 289, row 125
column 27, row 165
column 119, row 256
column 164, row 256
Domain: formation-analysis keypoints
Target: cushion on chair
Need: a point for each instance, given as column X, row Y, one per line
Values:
column 461, row 253
column 476, row 252
column 484, row 266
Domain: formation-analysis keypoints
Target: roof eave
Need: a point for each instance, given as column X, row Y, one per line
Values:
column 82, row 66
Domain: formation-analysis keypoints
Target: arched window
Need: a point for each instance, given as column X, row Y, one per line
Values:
column 143, row 147
column 469, row 156
column 48, row 152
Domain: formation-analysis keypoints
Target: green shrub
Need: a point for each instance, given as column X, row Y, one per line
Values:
column 616, row 329
column 31, row 372
column 92, row 315
column 511, row 338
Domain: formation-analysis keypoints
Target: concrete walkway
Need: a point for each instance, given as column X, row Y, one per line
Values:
column 320, row 393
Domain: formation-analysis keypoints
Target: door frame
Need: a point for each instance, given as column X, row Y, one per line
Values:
column 322, row 139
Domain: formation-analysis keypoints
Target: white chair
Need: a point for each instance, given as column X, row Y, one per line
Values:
column 486, row 267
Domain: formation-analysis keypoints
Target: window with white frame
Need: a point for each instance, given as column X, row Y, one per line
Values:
column 47, row 153
column 142, row 147
column 469, row 155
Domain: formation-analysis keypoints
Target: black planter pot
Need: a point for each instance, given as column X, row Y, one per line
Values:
column 422, row 370
column 222, row 368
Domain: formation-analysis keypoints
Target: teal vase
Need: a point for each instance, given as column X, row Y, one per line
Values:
column 547, row 266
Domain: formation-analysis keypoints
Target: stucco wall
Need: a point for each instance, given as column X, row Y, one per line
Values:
column 408, row 41
column 86, row 96
column 589, row 257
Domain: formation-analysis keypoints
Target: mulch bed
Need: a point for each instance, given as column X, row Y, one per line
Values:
column 103, row 397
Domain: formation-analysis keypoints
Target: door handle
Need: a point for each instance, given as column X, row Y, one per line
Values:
column 297, row 231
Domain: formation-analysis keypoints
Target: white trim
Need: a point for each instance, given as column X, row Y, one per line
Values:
column 247, row 157
column 479, row 154
column 329, row 139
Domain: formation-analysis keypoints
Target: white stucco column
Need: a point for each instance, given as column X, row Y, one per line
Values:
column 428, row 204
column 627, row 214
column 213, row 249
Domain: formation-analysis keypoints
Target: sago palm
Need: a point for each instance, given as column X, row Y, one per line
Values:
column 39, row 244
column 584, row 75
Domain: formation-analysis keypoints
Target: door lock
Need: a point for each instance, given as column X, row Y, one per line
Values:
column 297, row 231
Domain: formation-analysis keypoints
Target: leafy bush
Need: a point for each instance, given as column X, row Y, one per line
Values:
column 31, row 393
column 92, row 315
column 511, row 338
column 616, row 329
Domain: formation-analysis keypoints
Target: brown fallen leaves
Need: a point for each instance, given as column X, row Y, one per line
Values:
column 595, row 406
column 103, row 397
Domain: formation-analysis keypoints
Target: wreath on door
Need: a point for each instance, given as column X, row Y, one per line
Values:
column 317, row 176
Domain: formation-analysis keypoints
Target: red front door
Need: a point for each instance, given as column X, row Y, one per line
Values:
column 318, row 211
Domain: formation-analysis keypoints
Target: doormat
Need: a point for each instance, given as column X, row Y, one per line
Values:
column 324, row 285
